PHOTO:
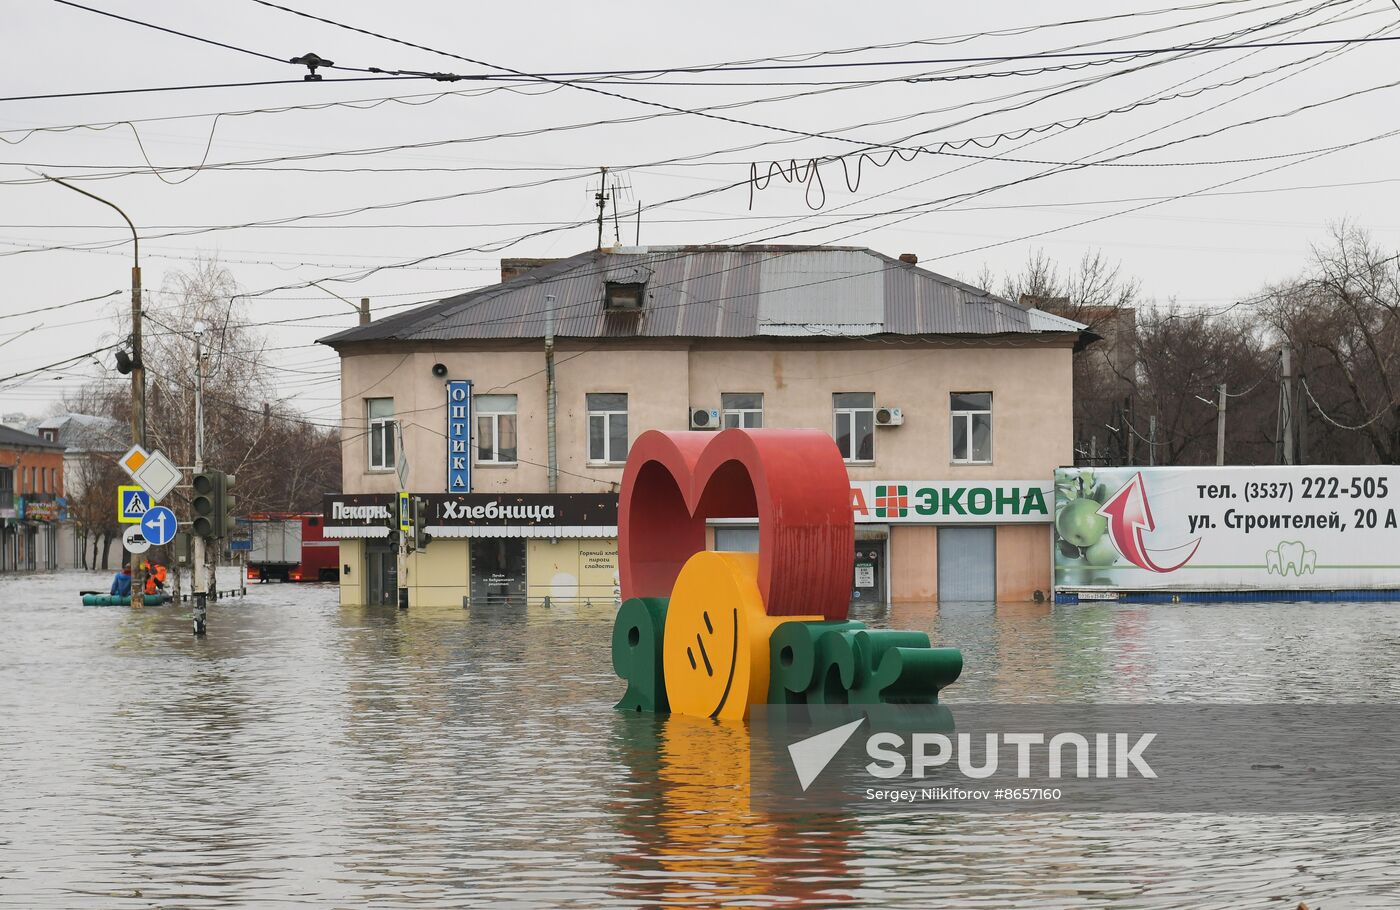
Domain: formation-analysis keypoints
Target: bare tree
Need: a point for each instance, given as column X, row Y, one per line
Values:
column 1097, row 294
column 281, row 461
column 1342, row 318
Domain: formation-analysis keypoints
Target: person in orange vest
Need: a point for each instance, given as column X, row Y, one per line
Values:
column 155, row 577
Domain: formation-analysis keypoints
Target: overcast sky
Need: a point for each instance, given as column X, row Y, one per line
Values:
column 1244, row 224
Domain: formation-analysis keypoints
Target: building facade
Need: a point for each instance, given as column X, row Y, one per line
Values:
column 91, row 446
column 951, row 407
column 32, row 506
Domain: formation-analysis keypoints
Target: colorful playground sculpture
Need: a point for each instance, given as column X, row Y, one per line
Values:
column 711, row 633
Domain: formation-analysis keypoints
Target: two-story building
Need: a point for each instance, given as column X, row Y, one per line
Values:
column 31, row 501
column 91, row 445
column 510, row 409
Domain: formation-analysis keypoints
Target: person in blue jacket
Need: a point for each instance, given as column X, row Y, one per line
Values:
column 121, row 583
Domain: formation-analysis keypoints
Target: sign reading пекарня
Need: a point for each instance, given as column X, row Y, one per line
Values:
column 1227, row 528
column 951, row 502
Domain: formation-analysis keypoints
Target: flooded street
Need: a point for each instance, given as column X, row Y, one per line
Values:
column 305, row 754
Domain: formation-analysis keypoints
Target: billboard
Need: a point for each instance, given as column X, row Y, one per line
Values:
column 1227, row 528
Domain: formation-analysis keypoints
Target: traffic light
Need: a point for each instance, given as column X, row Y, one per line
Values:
column 213, row 504
column 204, row 505
column 421, row 537
column 391, row 521
column 224, row 503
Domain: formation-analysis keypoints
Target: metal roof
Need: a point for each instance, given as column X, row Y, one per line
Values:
column 718, row 292
column 10, row 437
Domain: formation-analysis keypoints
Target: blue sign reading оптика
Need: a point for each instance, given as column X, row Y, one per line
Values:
column 459, row 396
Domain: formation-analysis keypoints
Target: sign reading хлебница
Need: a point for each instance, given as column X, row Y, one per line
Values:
column 477, row 509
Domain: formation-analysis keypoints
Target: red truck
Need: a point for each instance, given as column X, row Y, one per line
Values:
column 290, row 547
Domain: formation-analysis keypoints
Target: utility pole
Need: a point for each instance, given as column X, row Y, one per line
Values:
column 1302, row 416
column 601, row 198
column 364, row 311
column 1220, row 424
column 199, row 583
column 550, row 414
column 1151, row 439
column 1286, row 403
column 138, row 366
column 405, row 520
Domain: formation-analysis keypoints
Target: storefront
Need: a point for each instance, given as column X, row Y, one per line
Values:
column 939, row 540
column 509, row 549
column 29, row 534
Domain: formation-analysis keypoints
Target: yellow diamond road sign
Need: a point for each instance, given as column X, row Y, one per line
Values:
column 132, row 460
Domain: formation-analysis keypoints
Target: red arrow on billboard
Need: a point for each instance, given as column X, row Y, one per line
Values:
column 1129, row 516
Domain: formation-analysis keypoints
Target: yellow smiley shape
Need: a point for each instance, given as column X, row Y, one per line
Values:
column 715, row 650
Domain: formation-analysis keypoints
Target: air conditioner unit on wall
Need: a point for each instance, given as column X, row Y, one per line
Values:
column 889, row 417
column 704, row 418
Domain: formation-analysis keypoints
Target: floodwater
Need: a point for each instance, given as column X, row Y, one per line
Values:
column 305, row 754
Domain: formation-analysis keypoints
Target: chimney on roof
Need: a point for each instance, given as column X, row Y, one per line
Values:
column 513, row 268
column 909, row 258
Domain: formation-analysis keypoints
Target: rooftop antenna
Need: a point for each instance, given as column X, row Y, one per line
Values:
column 621, row 190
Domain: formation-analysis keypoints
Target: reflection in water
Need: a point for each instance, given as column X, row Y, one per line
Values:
column 309, row 754
column 699, row 842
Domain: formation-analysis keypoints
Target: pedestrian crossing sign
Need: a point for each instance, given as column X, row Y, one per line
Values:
column 132, row 503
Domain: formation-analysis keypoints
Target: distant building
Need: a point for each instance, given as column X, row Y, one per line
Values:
column 31, row 501
column 951, row 407
column 91, row 443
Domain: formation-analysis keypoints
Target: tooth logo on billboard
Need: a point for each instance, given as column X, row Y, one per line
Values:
column 1129, row 515
column 1290, row 556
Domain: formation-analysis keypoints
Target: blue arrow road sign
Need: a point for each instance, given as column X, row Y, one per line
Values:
column 158, row 526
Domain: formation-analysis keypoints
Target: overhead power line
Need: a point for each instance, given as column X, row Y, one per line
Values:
column 188, row 88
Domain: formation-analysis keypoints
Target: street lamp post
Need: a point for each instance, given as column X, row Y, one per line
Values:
column 138, row 367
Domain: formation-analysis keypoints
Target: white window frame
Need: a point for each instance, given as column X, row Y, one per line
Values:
column 494, row 415
column 388, row 429
column 850, row 415
column 742, row 415
column 966, row 417
column 607, row 415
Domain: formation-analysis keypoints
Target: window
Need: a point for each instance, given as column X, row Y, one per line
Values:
column 853, row 424
column 495, row 428
column 607, row 427
column 742, row 409
column 383, row 433
column 972, row 427
column 625, row 296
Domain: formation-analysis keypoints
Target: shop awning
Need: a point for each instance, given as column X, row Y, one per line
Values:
column 550, row 531
column 377, row 531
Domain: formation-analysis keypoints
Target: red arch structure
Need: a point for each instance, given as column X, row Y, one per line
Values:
column 793, row 481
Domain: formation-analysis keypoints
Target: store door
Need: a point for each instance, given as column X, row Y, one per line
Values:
column 381, row 575
column 498, row 570
column 967, row 564
column 869, row 581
